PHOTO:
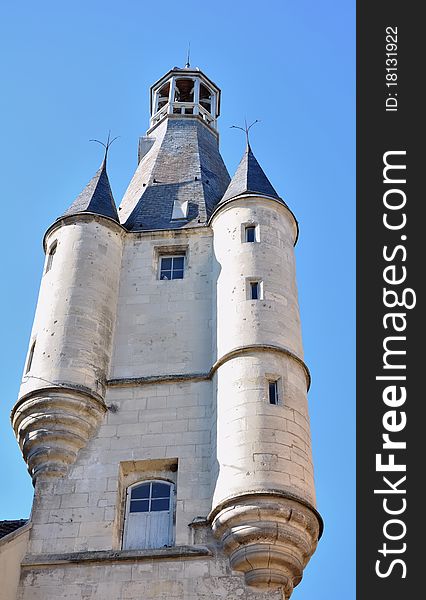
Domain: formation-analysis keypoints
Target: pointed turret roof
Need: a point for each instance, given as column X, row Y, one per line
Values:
column 250, row 178
column 96, row 197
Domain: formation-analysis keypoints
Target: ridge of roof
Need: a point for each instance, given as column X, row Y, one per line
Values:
column 10, row 526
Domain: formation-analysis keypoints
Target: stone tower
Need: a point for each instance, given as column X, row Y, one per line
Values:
column 163, row 409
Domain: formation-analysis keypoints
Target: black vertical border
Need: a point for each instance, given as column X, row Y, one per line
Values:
column 380, row 131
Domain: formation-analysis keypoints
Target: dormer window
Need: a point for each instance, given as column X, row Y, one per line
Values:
column 180, row 210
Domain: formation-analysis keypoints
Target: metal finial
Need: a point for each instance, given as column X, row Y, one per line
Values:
column 246, row 129
column 109, row 142
column 188, row 64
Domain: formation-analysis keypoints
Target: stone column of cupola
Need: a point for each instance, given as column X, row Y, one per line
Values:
column 61, row 397
column 213, row 105
column 172, row 95
column 263, row 505
column 196, row 96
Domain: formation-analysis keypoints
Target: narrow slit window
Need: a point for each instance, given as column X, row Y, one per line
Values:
column 50, row 256
column 273, row 392
column 250, row 233
column 171, row 267
column 30, row 357
column 254, row 290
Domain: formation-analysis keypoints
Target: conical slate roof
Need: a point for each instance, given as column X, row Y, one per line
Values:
column 96, row 197
column 249, row 178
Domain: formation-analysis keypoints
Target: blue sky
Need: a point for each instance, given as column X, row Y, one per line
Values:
column 72, row 71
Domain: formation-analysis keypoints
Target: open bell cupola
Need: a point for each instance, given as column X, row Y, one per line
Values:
column 185, row 92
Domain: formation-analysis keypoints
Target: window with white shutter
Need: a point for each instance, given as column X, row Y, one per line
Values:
column 149, row 515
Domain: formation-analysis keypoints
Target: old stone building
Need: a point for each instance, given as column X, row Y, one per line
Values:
column 163, row 408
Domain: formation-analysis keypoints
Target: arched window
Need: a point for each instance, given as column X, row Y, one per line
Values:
column 149, row 515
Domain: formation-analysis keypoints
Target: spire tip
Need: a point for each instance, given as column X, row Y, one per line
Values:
column 188, row 64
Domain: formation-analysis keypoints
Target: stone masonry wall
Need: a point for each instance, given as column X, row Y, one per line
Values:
column 77, row 516
column 151, row 579
column 157, row 421
column 160, row 422
column 164, row 327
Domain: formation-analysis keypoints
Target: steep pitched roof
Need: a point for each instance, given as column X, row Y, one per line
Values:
column 250, row 178
column 96, row 197
column 7, row 527
column 183, row 164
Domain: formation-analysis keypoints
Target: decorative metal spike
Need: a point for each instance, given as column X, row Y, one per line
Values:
column 109, row 142
column 246, row 129
column 188, row 64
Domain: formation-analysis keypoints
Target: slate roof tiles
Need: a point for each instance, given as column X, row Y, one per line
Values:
column 250, row 178
column 183, row 164
column 96, row 197
column 7, row 527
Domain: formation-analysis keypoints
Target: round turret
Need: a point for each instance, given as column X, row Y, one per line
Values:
column 63, row 386
column 264, row 499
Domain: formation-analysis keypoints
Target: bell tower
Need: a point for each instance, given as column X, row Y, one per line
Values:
column 163, row 410
column 185, row 92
